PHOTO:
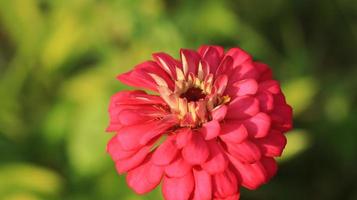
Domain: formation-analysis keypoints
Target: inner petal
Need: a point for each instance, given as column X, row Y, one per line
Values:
column 193, row 94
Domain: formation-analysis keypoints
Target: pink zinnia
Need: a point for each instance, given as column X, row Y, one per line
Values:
column 216, row 124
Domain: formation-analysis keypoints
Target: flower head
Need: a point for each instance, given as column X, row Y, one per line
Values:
column 216, row 124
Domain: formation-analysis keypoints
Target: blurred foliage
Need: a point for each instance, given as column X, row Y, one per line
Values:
column 59, row 59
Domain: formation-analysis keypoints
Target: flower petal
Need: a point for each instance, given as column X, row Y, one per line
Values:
column 178, row 188
column 196, row 151
column 144, row 178
column 239, row 56
column 246, row 152
column 165, row 153
column 178, row 168
column 225, row 184
column 190, row 60
column 210, row 129
column 213, row 57
column 183, row 136
column 243, row 87
column 139, row 76
column 167, row 63
column 259, row 125
column 133, row 161
column 233, row 132
column 252, row 175
column 242, row 107
column 273, row 144
column 203, row 185
column 266, row 101
column 271, row 86
column 219, row 112
column 132, row 137
column 217, row 162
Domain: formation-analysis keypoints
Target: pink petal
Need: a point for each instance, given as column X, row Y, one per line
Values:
column 196, row 151
column 252, row 175
column 282, row 117
column 132, row 137
column 233, row 132
column 243, row 87
column 204, row 48
column 203, row 185
column 144, row 178
column 246, row 152
column 270, row 166
column 221, row 83
column 233, row 197
column 264, row 70
column 226, row 66
column 116, row 151
column 239, row 56
column 129, row 117
column 273, row 144
column 271, row 86
column 178, row 188
column 167, row 63
column 210, row 129
column 225, row 184
column 259, row 125
column 165, row 153
column 217, row 161
column 183, row 136
column 178, row 168
column 266, row 101
column 212, row 57
column 219, row 113
column 242, row 107
column 139, row 76
column 192, row 59
column 133, row 161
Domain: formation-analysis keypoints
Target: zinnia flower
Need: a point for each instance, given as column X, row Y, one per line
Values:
column 215, row 123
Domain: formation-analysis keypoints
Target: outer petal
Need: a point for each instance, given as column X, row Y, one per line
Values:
column 264, row 70
column 165, row 153
column 116, row 151
column 219, row 113
column 196, row 151
column 133, row 161
column 133, row 137
column 225, row 184
column 243, row 87
column 239, row 56
column 212, row 55
column 210, row 129
column 144, row 178
column 234, row 132
column 252, row 175
column 266, row 101
column 271, row 86
column 272, row 145
column 178, row 188
column 167, row 63
column 217, row 162
column 183, row 136
column 282, row 117
column 259, row 125
column 190, row 60
column 140, row 76
column 246, row 152
column 203, row 185
column 178, row 168
column 242, row 107
column 233, row 197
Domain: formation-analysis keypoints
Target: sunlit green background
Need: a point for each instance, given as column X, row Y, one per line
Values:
column 59, row 60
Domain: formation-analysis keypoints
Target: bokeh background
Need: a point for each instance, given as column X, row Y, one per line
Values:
column 59, row 60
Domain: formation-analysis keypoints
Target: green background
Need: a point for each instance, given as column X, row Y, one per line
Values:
column 59, row 60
